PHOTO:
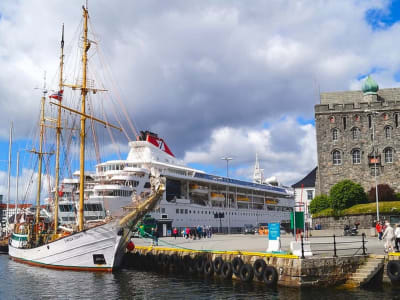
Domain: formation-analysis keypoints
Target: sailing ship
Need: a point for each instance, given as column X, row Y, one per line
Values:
column 92, row 246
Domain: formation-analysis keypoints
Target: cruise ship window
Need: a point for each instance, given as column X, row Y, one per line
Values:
column 177, row 210
column 163, row 210
column 186, row 211
column 190, row 211
column 181, row 210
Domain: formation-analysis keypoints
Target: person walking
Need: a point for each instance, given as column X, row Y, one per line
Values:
column 388, row 235
column 397, row 237
column 378, row 228
column 187, row 232
column 174, row 232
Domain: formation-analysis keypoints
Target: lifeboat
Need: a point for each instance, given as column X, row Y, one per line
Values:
column 217, row 197
column 270, row 201
column 243, row 198
column 198, row 189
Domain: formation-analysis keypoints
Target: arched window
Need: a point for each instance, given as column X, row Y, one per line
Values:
column 388, row 155
column 356, row 156
column 336, row 157
column 388, row 132
column 355, row 133
column 335, row 134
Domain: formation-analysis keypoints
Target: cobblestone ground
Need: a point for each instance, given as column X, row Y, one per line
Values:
column 321, row 243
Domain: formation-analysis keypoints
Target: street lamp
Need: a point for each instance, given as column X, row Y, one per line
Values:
column 227, row 159
column 374, row 113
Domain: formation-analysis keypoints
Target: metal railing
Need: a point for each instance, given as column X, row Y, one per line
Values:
column 338, row 245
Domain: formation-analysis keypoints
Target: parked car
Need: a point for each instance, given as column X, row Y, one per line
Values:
column 249, row 229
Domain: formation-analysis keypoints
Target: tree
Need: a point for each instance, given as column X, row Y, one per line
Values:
column 385, row 193
column 319, row 203
column 346, row 193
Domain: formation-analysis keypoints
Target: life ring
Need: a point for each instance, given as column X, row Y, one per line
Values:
column 226, row 270
column 259, row 267
column 270, row 276
column 393, row 270
column 218, row 262
column 246, row 273
column 199, row 264
column 237, row 262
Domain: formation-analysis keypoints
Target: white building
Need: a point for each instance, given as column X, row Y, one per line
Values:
column 304, row 192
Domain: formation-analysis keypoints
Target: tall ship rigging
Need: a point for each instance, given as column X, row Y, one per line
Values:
column 99, row 246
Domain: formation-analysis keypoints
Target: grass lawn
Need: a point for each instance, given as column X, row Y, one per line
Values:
column 384, row 207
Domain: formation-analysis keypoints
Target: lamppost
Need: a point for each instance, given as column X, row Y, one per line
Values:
column 373, row 114
column 227, row 159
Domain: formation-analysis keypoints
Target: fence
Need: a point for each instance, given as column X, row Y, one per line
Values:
column 337, row 245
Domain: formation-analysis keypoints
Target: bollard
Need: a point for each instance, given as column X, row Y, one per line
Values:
column 334, row 246
column 363, row 244
column 302, row 247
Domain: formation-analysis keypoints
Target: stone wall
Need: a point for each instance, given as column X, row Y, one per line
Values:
column 337, row 223
column 329, row 116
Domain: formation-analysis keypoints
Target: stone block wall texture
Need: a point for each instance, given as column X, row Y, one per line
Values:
column 355, row 108
column 337, row 223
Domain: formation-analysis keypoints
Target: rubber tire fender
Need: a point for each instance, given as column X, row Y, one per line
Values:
column 199, row 264
column 218, row 262
column 208, row 268
column 270, row 276
column 246, row 273
column 237, row 262
column 259, row 267
column 189, row 264
column 393, row 270
column 227, row 270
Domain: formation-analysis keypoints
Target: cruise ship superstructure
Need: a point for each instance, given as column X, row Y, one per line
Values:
column 192, row 197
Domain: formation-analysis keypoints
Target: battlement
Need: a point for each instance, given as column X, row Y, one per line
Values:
column 358, row 106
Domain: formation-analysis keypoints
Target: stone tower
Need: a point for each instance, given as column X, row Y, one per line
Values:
column 358, row 137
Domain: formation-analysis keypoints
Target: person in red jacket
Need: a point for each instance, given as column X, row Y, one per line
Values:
column 378, row 228
column 174, row 232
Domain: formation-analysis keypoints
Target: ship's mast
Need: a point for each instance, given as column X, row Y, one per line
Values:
column 40, row 154
column 58, row 135
column 9, row 178
column 86, row 46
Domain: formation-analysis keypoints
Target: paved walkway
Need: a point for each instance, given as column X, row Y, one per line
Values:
column 321, row 243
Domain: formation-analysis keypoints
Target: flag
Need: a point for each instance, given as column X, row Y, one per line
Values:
column 57, row 95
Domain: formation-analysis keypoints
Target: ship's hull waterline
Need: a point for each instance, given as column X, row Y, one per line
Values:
column 96, row 249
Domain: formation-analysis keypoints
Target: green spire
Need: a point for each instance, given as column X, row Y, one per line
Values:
column 370, row 86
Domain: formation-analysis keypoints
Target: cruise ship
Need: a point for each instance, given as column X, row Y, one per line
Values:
column 192, row 196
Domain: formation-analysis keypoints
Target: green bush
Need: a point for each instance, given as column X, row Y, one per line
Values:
column 345, row 194
column 319, row 203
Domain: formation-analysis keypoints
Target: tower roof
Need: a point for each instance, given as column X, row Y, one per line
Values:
column 370, row 86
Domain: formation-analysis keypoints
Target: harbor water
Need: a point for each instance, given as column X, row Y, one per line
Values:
column 19, row 281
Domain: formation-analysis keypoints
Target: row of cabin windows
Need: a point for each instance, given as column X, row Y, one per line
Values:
column 356, row 156
column 115, row 167
column 356, row 133
column 185, row 211
column 357, row 118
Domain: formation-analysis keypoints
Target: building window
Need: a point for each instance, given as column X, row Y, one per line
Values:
column 355, row 132
column 356, row 156
column 344, row 123
column 337, row 158
column 309, row 195
column 334, row 134
column 396, row 120
column 388, row 132
column 332, row 119
column 373, row 170
column 388, row 155
column 369, row 121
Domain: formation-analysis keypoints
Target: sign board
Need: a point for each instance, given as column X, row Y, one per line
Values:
column 299, row 220
column 274, row 231
column 274, row 237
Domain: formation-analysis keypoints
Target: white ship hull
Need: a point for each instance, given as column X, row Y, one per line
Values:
column 96, row 249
